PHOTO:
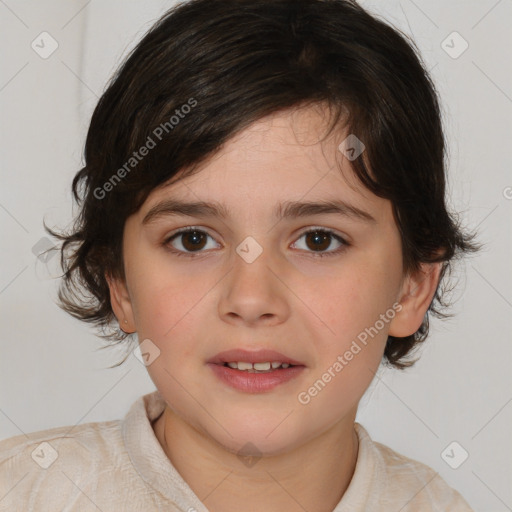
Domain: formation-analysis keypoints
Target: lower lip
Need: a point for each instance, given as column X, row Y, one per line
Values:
column 255, row 382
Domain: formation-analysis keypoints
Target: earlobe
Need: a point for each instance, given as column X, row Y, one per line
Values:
column 121, row 304
column 416, row 294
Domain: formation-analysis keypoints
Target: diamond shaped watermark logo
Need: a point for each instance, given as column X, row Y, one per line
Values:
column 249, row 454
column 454, row 455
column 249, row 249
column 454, row 45
column 44, row 45
column 44, row 455
column 352, row 147
column 146, row 352
column 44, row 249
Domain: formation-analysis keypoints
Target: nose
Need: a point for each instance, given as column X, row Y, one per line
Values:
column 254, row 293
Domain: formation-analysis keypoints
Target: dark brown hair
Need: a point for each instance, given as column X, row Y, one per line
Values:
column 208, row 69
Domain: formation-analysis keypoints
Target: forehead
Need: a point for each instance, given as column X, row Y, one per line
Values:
column 283, row 157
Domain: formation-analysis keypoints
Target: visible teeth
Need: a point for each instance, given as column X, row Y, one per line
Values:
column 261, row 366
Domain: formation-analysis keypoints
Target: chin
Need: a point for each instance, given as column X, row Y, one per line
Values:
column 249, row 436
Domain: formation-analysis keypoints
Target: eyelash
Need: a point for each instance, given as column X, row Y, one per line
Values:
column 344, row 246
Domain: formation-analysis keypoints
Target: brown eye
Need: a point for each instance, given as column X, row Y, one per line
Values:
column 188, row 241
column 193, row 240
column 318, row 241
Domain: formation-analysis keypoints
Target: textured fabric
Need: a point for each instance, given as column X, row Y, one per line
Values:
column 120, row 466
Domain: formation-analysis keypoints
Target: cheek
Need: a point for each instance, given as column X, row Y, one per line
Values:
column 164, row 315
column 350, row 352
column 351, row 298
column 334, row 393
column 162, row 300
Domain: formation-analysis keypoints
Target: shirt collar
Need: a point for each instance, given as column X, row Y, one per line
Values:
column 148, row 457
column 154, row 467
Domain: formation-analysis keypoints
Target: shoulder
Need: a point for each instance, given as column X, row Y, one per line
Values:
column 409, row 483
column 57, row 459
column 82, row 442
column 77, row 430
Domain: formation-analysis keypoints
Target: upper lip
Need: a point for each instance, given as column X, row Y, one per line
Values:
column 253, row 356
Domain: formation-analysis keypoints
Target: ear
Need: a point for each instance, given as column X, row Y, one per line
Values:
column 121, row 304
column 416, row 295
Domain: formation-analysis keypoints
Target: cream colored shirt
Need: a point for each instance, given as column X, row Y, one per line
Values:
column 119, row 466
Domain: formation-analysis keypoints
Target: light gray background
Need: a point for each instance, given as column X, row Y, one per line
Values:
column 51, row 371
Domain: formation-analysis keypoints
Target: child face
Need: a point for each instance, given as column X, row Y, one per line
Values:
column 225, row 295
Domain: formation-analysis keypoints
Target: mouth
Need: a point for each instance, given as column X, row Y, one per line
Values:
column 255, row 371
column 265, row 367
column 263, row 360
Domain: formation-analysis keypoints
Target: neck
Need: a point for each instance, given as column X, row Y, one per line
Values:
column 313, row 476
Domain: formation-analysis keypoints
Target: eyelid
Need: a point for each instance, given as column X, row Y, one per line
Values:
column 333, row 233
column 188, row 229
column 304, row 231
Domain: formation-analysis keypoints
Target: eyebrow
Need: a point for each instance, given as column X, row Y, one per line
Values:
column 288, row 210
